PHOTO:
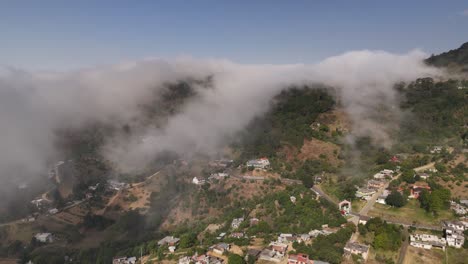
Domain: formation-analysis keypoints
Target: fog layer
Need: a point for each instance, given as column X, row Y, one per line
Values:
column 34, row 105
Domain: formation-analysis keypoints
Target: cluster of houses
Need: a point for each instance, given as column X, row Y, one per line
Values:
column 261, row 163
column 453, row 237
column 353, row 248
column 236, row 222
column 213, row 176
column 169, row 241
column 124, row 260
column 459, row 208
column 436, row 150
column 116, row 185
column 275, row 252
column 379, row 180
column 427, row 241
column 201, row 259
column 384, row 175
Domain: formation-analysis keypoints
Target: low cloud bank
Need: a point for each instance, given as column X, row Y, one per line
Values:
column 34, row 105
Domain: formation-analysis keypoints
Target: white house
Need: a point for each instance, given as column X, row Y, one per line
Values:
column 236, row 222
column 357, row 249
column 454, row 237
column 44, row 237
column 455, row 225
column 124, row 260
column 169, row 240
column 184, row 260
column 427, row 241
column 381, row 199
column 53, row 211
column 261, row 163
column 197, row 181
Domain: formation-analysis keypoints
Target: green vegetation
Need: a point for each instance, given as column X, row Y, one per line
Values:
column 235, row 259
column 96, row 221
column 327, row 248
column 386, row 236
column 300, row 217
column 438, row 113
column 456, row 57
column 288, row 122
column 435, row 201
column 396, row 199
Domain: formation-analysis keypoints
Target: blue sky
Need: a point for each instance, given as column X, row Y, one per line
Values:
column 69, row 34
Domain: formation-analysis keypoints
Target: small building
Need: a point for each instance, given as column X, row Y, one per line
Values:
column 221, row 236
column 198, row 181
column 416, row 190
column 116, row 185
column 436, row 150
column 237, row 235
column 44, row 237
column 124, row 260
column 219, row 175
column 456, row 225
column 364, row 193
column 423, row 175
column 458, row 209
column 220, row 248
column 184, row 260
column 374, row 184
column 455, row 238
column 39, row 202
column 270, row 255
column 316, row 233
column 381, row 199
column 221, row 163
column 357, row 249
column 261, row 163
column 279, row 248
column 427, row 241
column 293, row 199
column 303, row 238
column 363, row 219
column 344, row 207
column 254, row 221
column 169, row 240
column 379, row 176
column 286, row 238
column 53, row 211
column 236, row 222
column 299, row 259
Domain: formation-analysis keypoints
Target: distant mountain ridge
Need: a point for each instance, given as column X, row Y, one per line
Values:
column 456, row 58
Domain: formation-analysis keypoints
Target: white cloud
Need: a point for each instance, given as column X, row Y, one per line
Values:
column 33, row 105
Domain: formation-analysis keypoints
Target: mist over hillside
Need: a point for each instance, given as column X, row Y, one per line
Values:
column 34, row 106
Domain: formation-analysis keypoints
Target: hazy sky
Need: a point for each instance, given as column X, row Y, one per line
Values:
column 68, row 34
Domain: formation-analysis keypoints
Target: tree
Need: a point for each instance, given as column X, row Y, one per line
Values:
column 423, row 198
column 396, row 199
column 235, row 259
column 408, row 176
column 308, row 181
column 188, row 240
